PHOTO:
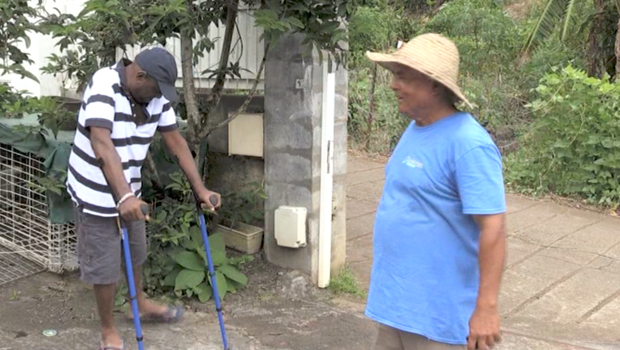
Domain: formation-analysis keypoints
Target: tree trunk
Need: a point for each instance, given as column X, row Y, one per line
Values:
column 189, row 94
column 596, row 59
column 371, row 107
column 617, row 45
column 218, row 87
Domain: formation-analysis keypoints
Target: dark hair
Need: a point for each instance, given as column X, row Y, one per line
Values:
column 449, row 96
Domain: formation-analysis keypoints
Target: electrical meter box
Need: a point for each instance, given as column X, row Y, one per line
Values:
column 290, row 226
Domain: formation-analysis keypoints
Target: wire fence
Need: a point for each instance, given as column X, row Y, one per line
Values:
column 29, row 242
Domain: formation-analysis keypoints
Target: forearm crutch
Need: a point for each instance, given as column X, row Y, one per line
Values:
column 205, row 239
column 131, row 280
column 122, row 226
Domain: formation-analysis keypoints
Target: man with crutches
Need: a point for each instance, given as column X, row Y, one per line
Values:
column 123, row 106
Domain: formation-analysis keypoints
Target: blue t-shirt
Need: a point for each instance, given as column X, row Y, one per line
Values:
column 425, row 272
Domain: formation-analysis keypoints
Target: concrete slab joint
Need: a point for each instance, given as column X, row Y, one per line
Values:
column 293, row 112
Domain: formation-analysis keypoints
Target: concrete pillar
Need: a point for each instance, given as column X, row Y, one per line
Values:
column 293, row 93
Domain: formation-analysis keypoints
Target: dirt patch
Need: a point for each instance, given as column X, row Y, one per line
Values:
column 282, row 313
column 45, row 301
column 278, row 310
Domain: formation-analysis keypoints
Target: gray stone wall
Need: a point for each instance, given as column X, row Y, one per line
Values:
column 293, row 108
column 229, row 173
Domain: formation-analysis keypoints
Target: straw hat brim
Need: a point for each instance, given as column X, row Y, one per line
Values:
column 388, row 61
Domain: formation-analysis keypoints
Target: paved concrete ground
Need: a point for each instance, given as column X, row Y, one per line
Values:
column 561, row 289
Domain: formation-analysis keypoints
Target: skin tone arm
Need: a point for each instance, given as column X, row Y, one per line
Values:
column 178, row 146
column 485, row 322
column 103, row 147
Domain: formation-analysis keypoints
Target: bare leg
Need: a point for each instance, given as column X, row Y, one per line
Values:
column 144, row 305
column 105, row 293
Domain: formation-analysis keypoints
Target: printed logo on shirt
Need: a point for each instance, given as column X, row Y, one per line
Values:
column 412, row 163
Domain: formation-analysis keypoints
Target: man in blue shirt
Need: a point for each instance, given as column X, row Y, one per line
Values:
column 439, row 236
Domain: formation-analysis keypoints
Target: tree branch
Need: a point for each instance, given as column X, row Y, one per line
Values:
column 218, row 87
column 189, row 90
column 245, row 104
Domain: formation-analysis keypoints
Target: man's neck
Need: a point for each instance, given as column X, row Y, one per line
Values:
column 433, row 114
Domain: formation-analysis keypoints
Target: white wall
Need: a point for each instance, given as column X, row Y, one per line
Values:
column 42, row 46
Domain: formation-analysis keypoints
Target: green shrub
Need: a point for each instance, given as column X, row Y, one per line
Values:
column 374, row 28
column 498, row 105
column 488, row 39
column 572, row 148
column 387, row 123
column 543, row 60
column 370, row 29
column 177, row 260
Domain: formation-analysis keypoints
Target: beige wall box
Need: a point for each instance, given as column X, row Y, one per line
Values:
column 245, row 135
column 290, row 226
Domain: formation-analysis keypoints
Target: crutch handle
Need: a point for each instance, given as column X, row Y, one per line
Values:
column 200, row 204
column 145, row 209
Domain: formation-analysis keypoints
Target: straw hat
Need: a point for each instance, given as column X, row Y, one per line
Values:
column 431, row 54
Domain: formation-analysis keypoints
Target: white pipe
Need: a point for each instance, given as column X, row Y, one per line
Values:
column 327, row 167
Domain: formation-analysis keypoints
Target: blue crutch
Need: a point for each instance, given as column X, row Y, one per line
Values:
column 205, row 239
column 131, row 280
column 128, row 265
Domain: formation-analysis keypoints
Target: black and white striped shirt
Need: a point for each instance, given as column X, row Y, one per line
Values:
column 106, row 104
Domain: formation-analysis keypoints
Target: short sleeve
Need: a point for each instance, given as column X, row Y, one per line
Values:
column 480, row 181
column 98, row 104
column 168, row 120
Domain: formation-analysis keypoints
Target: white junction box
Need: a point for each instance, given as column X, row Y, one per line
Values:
column 290, row 226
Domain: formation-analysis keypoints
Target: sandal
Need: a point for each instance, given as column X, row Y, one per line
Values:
column 172, row 315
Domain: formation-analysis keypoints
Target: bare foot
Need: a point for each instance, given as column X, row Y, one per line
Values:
column 111, row 339
column 148, row 307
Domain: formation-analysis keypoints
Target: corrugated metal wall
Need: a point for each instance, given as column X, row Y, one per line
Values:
column 247, row 48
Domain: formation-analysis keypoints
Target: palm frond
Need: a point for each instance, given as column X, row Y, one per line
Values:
column 554, row 13
column 568, row 16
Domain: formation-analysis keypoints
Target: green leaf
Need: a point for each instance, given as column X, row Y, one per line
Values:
column 554, row 12
column 188, row 279
column 195, row 234
column 205, row 293
column 295, row 22
column 170, row 279
column 561, row 144
column 234, row 274
column 190, row 260
column 218, row 249
column 222, row 284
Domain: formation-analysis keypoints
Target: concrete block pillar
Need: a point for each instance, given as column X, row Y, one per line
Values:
column 292, row 121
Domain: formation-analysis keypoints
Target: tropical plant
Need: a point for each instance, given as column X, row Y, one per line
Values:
column 17, row 18
column 177, row 260
column 243, row 206
column 559, row 17
column 572, row 148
